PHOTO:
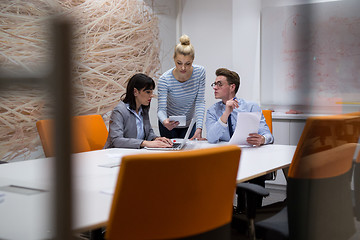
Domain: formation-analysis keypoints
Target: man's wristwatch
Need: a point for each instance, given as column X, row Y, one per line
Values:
column 264, row 139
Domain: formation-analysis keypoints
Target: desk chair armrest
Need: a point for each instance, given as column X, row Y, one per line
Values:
column 247, row 201
column 252, row 188
column 251, row 193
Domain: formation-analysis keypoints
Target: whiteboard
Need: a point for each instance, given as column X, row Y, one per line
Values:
column 310, row 54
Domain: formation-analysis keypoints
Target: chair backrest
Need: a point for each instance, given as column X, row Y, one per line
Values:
column 319, row 180
column 357, row 182
column 356, row 173
column 89, row 133
column 94, row 128
column 324, row 133
column 174, row 195
column 268, row 118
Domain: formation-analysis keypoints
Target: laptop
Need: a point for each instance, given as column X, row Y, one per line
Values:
column 178, row 144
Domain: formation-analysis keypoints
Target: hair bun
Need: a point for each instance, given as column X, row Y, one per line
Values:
column 184, row 40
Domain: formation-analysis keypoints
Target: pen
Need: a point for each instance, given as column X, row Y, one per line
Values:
column 235, row 109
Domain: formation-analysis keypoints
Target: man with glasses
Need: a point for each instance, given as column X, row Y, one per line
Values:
column 221, row 120
column 221, row 117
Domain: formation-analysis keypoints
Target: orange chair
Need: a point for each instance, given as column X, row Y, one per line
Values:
column 268, row 118
column 89, row 133
column 94, row 128
column 175, row 195
column 319, row 201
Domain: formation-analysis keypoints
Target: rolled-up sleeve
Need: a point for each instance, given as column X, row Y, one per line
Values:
column 162, row 99
column 214, row 127
column 200, row 101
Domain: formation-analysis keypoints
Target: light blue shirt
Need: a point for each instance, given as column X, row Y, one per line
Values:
column 219, row 131
column 139, row 122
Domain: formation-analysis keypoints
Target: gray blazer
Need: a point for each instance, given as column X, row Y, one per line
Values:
column 122, row 128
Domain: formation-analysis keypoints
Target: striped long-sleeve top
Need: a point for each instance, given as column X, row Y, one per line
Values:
column 182, row 98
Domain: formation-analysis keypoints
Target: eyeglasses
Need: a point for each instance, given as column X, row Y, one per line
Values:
column 219, row 84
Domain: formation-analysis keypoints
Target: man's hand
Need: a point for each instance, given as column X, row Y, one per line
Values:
column 256, row 139
column 229, row 107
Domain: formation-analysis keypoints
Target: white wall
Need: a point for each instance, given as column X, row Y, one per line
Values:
column 167, row 12
column 208, row 23
column 210, row 31
column 246, row 47
column 225, row 34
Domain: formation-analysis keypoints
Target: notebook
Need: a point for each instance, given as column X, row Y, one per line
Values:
column 180, row 143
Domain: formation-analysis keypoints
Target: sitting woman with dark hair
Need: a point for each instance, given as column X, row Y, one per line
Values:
column 129, row 125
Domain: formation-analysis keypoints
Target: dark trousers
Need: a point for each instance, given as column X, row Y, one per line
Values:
column 176, row 132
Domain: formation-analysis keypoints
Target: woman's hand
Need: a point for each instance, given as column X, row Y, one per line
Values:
column 157, row 143
column 197, row 135
column 164, row 139
column 170, row 125
column 255, row 139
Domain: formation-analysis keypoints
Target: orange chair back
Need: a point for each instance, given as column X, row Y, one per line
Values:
column 174, row 195
column 89, row 133
column 94, row 129
column 319, row 199
column 322, row 142
column 268, row 118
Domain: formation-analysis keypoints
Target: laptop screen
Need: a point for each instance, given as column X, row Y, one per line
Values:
column 189, row 129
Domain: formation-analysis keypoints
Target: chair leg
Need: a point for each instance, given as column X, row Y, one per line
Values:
column 252, row 234
column 285, row 171
column 97, row 234
column 251, row 205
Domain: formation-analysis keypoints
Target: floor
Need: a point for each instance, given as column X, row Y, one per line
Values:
column 277, row 195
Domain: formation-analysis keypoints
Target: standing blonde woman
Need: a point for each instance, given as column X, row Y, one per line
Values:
column 181, row 91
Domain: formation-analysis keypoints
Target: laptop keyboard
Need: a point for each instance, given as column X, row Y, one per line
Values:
column 176, row 145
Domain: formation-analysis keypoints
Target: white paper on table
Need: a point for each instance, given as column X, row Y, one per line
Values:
column 247, row 122
column 114, row 160
column 111, row 164
column 108, row 191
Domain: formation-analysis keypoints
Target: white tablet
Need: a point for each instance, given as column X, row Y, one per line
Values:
column 180, row 119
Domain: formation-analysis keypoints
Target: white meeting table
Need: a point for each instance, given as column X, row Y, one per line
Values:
column 29, row 216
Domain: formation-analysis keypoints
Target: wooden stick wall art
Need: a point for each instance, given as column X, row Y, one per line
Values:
column 113, row 39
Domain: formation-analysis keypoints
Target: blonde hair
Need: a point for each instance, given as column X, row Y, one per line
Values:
column 184, row 47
